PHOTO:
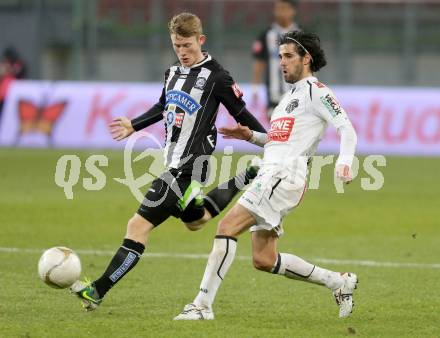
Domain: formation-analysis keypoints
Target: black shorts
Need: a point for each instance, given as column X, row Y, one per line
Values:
column 164, row 197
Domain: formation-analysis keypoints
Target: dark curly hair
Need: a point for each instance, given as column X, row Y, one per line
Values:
column 311, row 43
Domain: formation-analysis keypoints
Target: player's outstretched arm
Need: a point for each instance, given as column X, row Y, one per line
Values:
column 327, row 106
column 240, row 132
column 346, row 152
column 121, row 128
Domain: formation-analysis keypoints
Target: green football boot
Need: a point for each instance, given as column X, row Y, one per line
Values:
column 86, row 291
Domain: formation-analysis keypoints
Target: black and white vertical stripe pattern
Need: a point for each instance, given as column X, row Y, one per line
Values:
column 178, row 77
column 189, row 126
column 178, row 138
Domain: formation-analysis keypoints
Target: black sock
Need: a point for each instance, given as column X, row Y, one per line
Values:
column 123, row 261
column 218, row 199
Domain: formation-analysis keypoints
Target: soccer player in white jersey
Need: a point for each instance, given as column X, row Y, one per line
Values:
column 297, row 125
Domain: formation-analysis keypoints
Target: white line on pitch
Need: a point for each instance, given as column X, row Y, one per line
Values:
column 368, row 263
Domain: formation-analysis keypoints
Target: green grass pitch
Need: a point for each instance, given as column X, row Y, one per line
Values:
column 399, row 223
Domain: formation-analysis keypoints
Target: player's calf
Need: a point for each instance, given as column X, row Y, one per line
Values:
column 125, row 259
column 264, row 253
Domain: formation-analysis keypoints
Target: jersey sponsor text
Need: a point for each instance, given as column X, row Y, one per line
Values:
column 280, row 129
column 183, row 101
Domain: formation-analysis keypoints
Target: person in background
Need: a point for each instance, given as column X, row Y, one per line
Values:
column 11, row 68
column 265, row 52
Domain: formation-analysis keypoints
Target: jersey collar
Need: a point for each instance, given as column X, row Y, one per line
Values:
column 303, row 82
column 206, row 59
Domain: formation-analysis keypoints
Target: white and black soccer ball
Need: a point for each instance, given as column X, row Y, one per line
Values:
column 59, row 267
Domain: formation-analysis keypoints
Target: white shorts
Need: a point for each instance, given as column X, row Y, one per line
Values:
column 270, row 197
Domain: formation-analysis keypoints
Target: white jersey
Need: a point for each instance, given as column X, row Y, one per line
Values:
column 298, row 124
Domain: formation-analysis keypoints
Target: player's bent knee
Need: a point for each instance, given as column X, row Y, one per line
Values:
column 225, row 229
column 236, row 221
column 198, row 219
column 194, row 226
column 193, row 214
column 262, row 263
column 138, row 228
column 229, row 226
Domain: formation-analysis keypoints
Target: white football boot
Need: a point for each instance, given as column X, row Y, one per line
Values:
column 344, row 295
column 194, row 312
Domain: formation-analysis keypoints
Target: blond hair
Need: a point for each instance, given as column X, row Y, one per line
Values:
column 186, row 25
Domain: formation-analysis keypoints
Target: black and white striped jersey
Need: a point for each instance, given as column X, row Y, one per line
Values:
column 265, row 48
column 188, row 106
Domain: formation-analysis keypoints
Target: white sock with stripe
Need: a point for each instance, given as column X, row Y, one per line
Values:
column 295, row 267
column 219, row 261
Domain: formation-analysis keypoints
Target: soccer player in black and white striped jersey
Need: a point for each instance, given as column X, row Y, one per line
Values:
column 193, row 90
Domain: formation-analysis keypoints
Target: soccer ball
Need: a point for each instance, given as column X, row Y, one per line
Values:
column 59, row 267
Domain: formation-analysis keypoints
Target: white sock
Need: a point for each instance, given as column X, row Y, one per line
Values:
column 295, row 267
column 219, row 261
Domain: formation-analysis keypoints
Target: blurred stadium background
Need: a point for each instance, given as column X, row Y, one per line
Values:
column 368, row 42
column 91, row 60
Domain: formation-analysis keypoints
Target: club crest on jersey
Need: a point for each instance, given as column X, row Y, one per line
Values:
column 280, row 129
column 292, row 105
column 175, row 119
column 182, row 100
column 200, row 83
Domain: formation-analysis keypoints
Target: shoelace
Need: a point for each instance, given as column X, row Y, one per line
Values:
column 193, row 309
column 197, row 311
column 346, row 296
column 340, row 297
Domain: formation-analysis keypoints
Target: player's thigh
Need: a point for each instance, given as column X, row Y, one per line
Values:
column 236, row 221
column 160, row 201
column 264, row 249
